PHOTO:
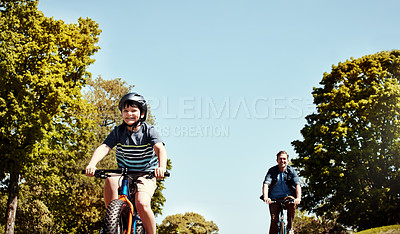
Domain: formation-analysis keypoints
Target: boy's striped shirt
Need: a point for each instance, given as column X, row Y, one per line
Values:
column 136, row 157
column 134, row 150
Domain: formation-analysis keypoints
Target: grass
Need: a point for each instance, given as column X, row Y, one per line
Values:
column 382, row 230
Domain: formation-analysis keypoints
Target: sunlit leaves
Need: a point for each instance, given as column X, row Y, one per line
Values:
column 350, row 151
column 43, row 67
column 190, row 223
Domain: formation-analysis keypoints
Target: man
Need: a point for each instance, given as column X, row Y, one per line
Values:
column 281, row 181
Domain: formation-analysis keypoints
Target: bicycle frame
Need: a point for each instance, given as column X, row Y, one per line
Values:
column 288, row 199
column 281, row 216
column 126, row 197
column 281, row 213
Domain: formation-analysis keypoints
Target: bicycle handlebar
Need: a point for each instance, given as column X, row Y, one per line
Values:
column 288, row 200
column 283, row 201
column 104, row 173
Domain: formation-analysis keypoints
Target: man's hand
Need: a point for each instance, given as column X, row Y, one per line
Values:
column 268, row 200
column 297, row 201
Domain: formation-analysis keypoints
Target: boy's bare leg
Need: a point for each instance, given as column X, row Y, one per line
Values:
column 143, row 204
column 110, row 189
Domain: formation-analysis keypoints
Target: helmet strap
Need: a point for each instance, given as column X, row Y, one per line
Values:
column 134, row 125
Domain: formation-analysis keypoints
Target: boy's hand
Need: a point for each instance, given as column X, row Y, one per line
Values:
column 159, row 172
column 90, row 170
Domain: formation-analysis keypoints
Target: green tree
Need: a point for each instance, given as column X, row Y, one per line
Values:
column 35, row 216
column 304, row 224
column 350, row 152
column 43, row 66
column 189, row 223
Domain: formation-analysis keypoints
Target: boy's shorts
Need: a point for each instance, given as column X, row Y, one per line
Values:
column 146, row 185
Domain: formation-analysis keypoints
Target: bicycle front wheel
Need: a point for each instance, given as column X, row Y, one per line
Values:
column 282, row 228
column 117, row 216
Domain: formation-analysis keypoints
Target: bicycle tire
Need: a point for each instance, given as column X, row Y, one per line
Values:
column 282, row 228
column 117, row 215
column 139, row 227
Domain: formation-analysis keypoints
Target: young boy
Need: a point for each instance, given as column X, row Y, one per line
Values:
column 139, row 147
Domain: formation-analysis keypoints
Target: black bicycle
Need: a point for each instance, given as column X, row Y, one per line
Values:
column 281, row 223
column 121, row 214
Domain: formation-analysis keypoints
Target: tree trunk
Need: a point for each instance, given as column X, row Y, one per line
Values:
column 12, row 202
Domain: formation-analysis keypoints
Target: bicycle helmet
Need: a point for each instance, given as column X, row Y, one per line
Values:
column 136, row 99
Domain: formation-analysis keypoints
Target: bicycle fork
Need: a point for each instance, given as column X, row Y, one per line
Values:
column 125, row 196
column 282, row 230
column 130, row 219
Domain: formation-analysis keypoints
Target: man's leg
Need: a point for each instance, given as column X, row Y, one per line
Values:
column 274, row 210
column 291, row 211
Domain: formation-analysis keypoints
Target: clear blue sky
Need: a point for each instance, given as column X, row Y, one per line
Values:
column 229, row 82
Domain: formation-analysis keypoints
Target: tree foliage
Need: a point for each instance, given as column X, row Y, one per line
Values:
column 189, row 223
column 43, row 66
column 42, row 70
column 350, row 152
column 304, row 224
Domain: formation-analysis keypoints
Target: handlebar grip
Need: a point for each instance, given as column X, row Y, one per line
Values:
column 262, row 198
column 166, row 174
column 104, row 173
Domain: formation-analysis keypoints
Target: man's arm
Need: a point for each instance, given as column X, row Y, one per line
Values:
column 296, row 180
column 298, row 194
column 266, row 183
column 265, row 194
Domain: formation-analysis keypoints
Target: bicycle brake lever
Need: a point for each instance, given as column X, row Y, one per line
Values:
column 101, row 174
column 151, row 175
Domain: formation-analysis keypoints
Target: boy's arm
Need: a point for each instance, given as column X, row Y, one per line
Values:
column 161, row 152
column 97, row 156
